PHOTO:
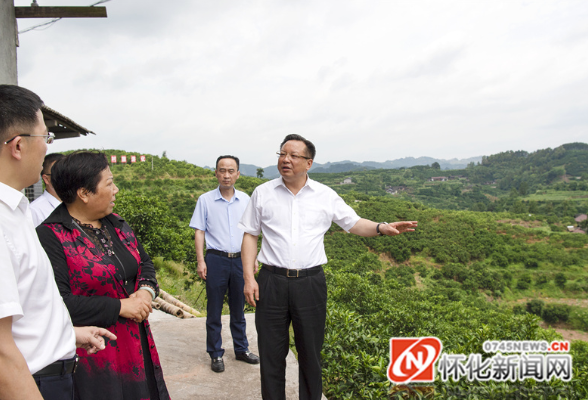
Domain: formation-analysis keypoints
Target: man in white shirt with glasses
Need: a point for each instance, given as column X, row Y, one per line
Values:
column 294, row 212
column 37, row 339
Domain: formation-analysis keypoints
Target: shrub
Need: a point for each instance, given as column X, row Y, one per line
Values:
column 456, row 272
column 555, row 312
column 579, row 349
column 422, row 270
column 365, row 263
column 560, row 279
column 574, row 287
column 524, row 282
column 470, row 285
column 518, row 309
column 541, row 280
column 437, row 275
column 499, row 260
column 531, row 264
column 403, row 275
column 159, row 233
column 535, row 307
column 579, row 319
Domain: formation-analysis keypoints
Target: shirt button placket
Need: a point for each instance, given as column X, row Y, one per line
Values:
column 295, row 232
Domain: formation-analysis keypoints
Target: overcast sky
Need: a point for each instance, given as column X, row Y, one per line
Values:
column 364, row 80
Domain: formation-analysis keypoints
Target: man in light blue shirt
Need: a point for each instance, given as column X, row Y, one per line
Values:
column 215, row 219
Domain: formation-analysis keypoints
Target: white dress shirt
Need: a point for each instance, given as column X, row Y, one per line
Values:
column 294, row 226
column 41, row 326
column 43, row 206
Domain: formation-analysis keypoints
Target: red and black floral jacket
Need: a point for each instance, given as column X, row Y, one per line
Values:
column 92, row 286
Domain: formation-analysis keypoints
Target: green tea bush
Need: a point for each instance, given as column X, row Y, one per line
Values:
column 553, row 313
column 524, row 282
column 535, row 307
column 531, row 263
column 560, row 279
column 541, row 280
column 579, row 319
column 403, row 275
column 518, row 309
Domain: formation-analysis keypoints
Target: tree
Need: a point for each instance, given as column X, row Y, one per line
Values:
column 260, row 173
column 164, row 155
column 435, row 165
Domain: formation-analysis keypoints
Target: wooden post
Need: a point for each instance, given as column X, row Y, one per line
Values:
column 9, row 33
column 8, row 43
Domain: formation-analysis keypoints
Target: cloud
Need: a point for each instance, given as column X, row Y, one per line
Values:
column 395, row 79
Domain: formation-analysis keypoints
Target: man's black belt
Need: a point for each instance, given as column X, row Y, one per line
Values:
column 224, row 254
column 59, row 367
column 294, row 273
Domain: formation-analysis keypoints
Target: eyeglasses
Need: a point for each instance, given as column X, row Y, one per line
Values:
column 50, row 137
column 295, row 157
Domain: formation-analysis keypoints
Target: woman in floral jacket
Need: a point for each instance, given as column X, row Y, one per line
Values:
column 105, row 278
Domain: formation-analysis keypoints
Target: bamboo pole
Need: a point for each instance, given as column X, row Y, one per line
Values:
column 169, row 308
column 172, row 300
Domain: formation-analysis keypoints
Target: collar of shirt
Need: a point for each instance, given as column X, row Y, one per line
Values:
column 51, row 199
column 13, row 198
column 218, row 195
column 308, row 185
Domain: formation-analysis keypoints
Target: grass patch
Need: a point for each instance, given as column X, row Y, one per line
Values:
column 556, row 195
column 579, row 318
column 175, row 279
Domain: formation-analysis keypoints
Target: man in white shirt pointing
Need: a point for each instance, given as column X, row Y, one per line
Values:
column 294, row 212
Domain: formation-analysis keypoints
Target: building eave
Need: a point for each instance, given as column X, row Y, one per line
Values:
column 62, row 126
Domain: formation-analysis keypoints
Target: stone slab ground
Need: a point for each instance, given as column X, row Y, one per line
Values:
column 186, row 365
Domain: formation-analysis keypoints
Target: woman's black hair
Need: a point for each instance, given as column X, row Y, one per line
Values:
column 77, row 170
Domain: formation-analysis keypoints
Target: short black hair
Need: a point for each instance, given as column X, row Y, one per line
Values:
column 18, row 106
column 77, row 170
column 50, row 159
column 231, row 157
column 310, row 149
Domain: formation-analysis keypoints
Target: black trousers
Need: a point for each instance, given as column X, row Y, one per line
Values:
column 302, row 301
column 59, row 387
column 224, row 274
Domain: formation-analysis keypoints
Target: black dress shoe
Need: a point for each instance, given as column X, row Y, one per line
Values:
column 217, row 364
column 248, row 357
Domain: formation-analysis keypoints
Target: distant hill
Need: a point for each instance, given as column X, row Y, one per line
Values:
column 271, row 171
column 343, row 167
column 552, row 182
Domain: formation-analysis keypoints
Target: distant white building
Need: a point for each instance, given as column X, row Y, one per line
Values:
column 395, row 189
column 347, row 181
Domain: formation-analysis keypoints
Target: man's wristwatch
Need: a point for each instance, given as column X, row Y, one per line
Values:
column 378, row 228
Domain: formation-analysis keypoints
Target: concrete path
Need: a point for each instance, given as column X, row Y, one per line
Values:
column 186, row 365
